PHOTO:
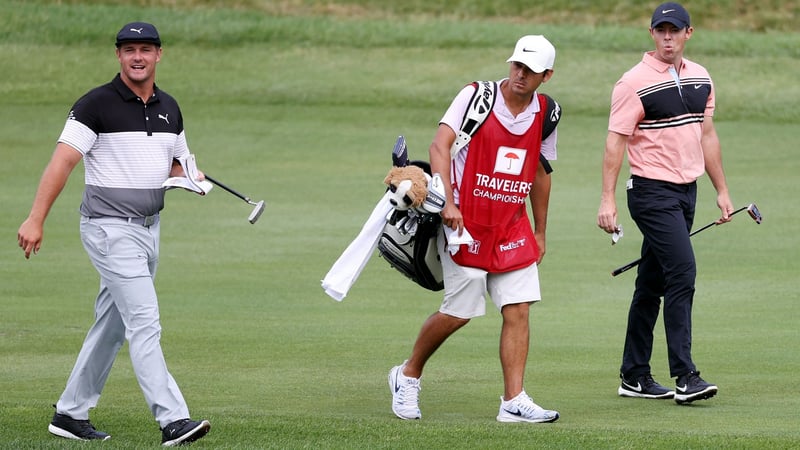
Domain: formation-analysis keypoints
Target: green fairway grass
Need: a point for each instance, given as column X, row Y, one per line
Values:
column 299, row 104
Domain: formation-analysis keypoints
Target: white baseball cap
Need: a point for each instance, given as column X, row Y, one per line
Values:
column 534, row 51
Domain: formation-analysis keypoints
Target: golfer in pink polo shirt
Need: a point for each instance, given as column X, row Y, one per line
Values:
column 661, row 114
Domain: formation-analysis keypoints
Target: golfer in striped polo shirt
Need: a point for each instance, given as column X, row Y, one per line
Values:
column 129, row 134
column 662, row 113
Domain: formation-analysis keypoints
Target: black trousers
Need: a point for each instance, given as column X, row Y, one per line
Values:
column 664, row 213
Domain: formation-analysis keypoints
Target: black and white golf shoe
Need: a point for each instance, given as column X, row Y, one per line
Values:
column 69, row 428
column 643, row 386
column 691, row 387
column 183, row 432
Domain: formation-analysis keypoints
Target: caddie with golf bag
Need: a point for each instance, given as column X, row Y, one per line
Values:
column 408, row 240
column 486, row 155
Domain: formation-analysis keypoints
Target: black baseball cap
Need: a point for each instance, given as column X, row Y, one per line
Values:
column 670, row 12
column 138, row 32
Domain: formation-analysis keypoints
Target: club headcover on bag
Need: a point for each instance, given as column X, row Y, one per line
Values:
column 435, row 200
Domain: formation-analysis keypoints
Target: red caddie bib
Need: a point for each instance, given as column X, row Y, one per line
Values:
column 498, row 177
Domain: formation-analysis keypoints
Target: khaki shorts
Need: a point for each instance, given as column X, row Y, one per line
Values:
column 465, row 288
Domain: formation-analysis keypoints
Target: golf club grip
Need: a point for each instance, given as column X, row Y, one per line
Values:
column 626, row 267
column 227, row 188
column 633, row 264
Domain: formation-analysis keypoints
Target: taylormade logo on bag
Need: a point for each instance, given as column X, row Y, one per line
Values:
column 483, row 103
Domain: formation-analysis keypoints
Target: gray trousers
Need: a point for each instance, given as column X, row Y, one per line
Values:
column 126, row 256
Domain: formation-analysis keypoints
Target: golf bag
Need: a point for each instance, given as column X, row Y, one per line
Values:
column 413, row 252
column 408, row 241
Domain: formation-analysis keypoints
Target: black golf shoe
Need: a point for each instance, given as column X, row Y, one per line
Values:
column 183, row 431
column 82, row 430
column 691, row 387
column 643, row 386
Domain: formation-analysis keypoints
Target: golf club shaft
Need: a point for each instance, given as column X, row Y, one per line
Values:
column 715, row 223
column 633, row 264
column 227, row 188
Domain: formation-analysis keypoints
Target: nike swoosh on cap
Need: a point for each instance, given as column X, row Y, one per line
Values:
column 528, row 50
column 667, row 11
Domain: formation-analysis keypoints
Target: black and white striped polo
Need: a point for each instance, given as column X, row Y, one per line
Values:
column 128, row 147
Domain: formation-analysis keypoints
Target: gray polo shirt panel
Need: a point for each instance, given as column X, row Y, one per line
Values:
column 128, row 147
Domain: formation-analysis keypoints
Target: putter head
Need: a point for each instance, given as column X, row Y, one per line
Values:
column 256, row 211
column 754, row 212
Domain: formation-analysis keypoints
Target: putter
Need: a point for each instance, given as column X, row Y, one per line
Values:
column 259, row 207
column 752, row 210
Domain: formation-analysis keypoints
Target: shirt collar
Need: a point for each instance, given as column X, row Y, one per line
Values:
column 532, row 108
column 650, row 59
column 126, row 92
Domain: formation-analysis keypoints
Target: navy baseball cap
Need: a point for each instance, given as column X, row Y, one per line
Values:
column 138, row 32
column 670, row 12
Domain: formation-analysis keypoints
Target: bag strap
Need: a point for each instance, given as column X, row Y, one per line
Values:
column 551, row 117
column 481, row 104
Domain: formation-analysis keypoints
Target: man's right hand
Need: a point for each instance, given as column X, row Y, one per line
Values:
column 29, row 237
column 607, row 216
column 451, row 216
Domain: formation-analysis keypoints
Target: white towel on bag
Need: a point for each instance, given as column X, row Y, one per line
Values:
column 348, row 267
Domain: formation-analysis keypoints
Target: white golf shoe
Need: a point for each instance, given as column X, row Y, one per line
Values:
column 405, row 394
column 522, row 409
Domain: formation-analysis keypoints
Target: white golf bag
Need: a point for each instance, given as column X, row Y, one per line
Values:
column 408, row 241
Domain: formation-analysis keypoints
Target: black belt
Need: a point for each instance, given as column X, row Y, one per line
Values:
column 670, row 183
